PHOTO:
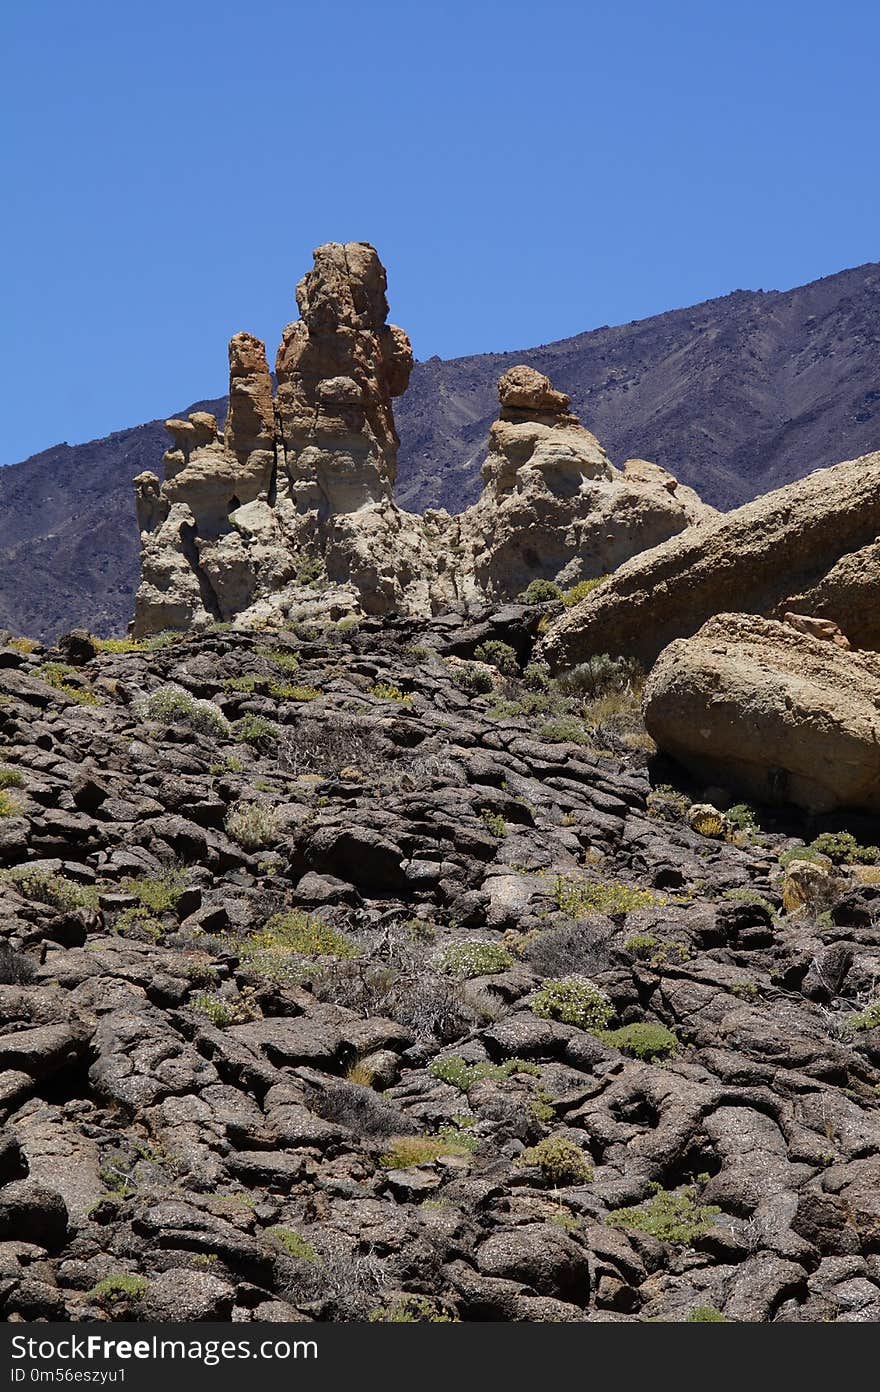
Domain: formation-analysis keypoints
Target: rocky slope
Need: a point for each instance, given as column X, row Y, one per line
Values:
column 734, row 396
column 345, row 976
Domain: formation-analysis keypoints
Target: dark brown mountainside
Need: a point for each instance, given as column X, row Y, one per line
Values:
column 736, row 396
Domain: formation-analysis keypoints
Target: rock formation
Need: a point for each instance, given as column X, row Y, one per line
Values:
column 553, row 506
column 810, row 547
column 778, row 715
column 291, row 509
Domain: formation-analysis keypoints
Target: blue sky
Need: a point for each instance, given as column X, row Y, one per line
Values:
column 526, row 170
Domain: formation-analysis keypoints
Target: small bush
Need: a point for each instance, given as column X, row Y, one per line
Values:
column 579, row 898
column 253, row 825
column 171, row 705
column 326, row 746
column 581, row 590
column 566, row 730
column 801, row 853
column 641, row 945
column 559, row 1160
column 23, row 645
column 293, row 1243
column 536, row 676
column 57, row 675
column 215, row 1008
column 119, row 1289
column 256, row 731
column 467, row 959
column 118, row 645
column 643, row 1041
column 582, row 948
column 302, row 693
column 294, row 934
column 706, row 1314
column 495, row 823
column 473, row 680
column 383, row 691
column 842, row 848
column 15, row 968
column 282, row 658
column 360, row 1109
column 158, row 893
column 574, row 1000
column 11, row 778
column 539, row 592
column 499, row 655
column 422, row 1150
column 867, row 1019
column 55, row 890
column 457, row 1073
column 673, row 1216
column 9, row 804
column 601, row 675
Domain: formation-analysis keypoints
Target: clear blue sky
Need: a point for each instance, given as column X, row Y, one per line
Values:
column 527, row 171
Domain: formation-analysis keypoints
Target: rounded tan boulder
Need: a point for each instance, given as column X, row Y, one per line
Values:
column 773, row 713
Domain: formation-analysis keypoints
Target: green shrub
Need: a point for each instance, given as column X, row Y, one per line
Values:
column 574, row 1000
column 467, row 959
column 539, row 592
column 256, row 731
column 801, row 853
column 294, row 1244
column 383, row 691
column 296, row 934
column 301, row 693
column 118, row 645
column 673, row 1216
column 842, row 848
column 641, row 945
column 601, row 675
column 214, row 1007
column 9, row 804
column 118, row 1289
column 559, row 1160
column 495, row 823
column 253, row 825
column 283, row 658
column 404, row 1151
column 11, row 778
column 57, row 675
column 642, row 1041
column 867, row 1019
column 55, row 890
column 536, row 676
column 473, row 680
column 499, row 655
column 742, row 817
column 579, row 898
column 581, row 590
column 706, row 1314
column 171, row 705
column 455, row 1071
column 157, row 892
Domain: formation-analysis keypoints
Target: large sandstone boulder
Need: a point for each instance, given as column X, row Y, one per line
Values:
column 778, row 715
column 554, row 507
column 810, row 547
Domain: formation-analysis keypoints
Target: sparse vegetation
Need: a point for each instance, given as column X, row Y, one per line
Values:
column 867, row 1019
column 472, row 679
column 574, row 1000
column 643, row 1041
column 559, row 1160
column 293, row 935
column 256, row 731
column 455, row 1071
column 119, row 1289
column 215, row 1008
column 253, row 825
column 706, row 1314
column 11, row 778
column 411, row 1309
column 293, row 1243
column 384, row 691
column 499, row 655
column 468, row 959
column 581, row 590
column 44, row 887
column 579, row 898
column 539, row 592
column 58, row 675
column 842, row 848
column 674, row 1216
column 405, row 1151
column 171, row 705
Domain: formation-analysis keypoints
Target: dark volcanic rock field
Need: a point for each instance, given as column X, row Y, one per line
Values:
column 334, row 990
